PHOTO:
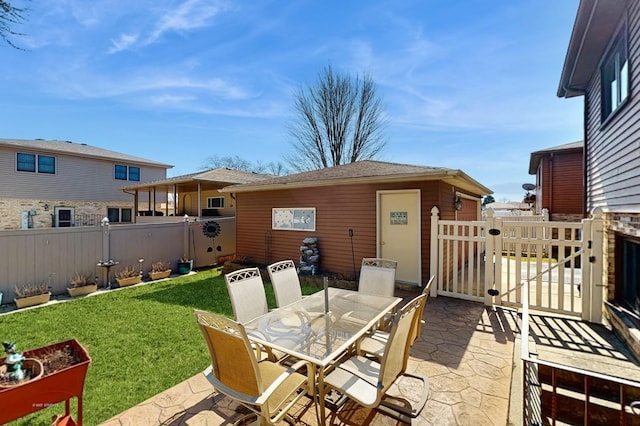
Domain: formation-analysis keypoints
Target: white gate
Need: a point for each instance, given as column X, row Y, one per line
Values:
column 490, row 260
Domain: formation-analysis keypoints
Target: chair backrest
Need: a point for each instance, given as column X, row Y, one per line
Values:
column 285, row 281
column 233, row 360
column 377, row 276
column 396, row 351
column 247, row 295
column 416, row 330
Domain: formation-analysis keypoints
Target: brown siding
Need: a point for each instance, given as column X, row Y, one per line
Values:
column 613, row 175
column 338, row 209
column 567, row 183
column 561, row 190
column 546, row 184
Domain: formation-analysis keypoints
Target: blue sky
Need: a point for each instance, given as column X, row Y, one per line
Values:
column 466, row 84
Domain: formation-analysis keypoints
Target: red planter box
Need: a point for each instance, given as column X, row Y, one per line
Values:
column 50, row 389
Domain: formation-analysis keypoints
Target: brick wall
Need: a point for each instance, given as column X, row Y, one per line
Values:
column 627, row 224
column 11, row 210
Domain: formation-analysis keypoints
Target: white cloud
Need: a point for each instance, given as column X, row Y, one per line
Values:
column 122, row 43
column 190, row 15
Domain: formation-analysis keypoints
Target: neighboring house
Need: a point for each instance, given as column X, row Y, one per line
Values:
column 509, row 209
column 197, row 193
column 604, row 45
column 363, row 209
column 62, row 183
column 559, row 181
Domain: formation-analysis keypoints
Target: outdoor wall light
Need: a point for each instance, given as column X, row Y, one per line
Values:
column 46, row 207
column 457, row 203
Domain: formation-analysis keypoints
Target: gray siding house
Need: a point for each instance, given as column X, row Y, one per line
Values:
column 599, row 66
column 62, row 183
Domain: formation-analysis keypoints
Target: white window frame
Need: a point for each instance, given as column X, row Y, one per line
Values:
column 210, row 202
column 614, row 75
column 120, row 209
column 37, row 163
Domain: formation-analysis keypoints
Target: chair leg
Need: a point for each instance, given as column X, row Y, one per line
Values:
column 400, row 412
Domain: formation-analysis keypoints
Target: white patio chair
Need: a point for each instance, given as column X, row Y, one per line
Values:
column 374, row 344
column 266, row 388
column 367, row 381
column 377, row 276
column 285, row 281
column 247, row 295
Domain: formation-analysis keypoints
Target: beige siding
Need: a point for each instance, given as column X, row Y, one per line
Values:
column 613, row 151
column 76, row 178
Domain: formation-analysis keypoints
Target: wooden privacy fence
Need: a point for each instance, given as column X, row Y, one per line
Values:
column 55, row 255
column 490, row 260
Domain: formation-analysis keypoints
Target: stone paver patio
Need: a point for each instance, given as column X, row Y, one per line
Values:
column 466, row 350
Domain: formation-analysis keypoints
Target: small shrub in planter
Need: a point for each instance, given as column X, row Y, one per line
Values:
column 32, row 294
column 81, row 284
column 185, row 265
column 128, row 276
column 160, row 269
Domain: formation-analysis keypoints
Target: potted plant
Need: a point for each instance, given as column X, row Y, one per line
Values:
column 32, row 294
column 128, row 276
column 80, row 285
column 64, row 367
column 159, row 270
column 185, row 265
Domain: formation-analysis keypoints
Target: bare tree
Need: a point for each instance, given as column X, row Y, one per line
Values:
column 338, row 121
column 238, row 163
column 10, row 16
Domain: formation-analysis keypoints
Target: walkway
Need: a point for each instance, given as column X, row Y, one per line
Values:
column 465, row 349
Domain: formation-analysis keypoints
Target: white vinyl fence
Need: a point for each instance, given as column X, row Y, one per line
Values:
column 490, row 260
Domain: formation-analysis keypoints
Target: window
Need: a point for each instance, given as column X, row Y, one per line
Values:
column 628, row 272
column 615, row 76
column 121, row 172
column 119, row 215
column 127, row 173
column 27, row 163
column 46, row 164
column 215, row 203
column 134, row 173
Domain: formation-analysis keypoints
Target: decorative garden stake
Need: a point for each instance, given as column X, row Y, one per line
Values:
column 211, row 229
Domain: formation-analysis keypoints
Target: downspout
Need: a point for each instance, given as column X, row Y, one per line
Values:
column 135, row 203
column 584, row 156
column 585, row 145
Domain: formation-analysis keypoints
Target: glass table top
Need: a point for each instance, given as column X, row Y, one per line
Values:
column 304, row 330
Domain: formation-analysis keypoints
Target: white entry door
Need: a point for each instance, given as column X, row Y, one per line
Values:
column 399, row 232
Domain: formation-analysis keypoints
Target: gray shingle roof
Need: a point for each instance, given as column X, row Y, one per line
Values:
column 360, row 171
column 77, row 149
column 220, row 175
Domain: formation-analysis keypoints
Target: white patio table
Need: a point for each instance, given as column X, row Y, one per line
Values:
column 306, row 330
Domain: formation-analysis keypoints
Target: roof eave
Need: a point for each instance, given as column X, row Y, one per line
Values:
column 595, row 23
column 462, row 180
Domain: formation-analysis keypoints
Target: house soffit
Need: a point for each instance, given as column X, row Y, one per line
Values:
column 595, row 25
column 453, row 177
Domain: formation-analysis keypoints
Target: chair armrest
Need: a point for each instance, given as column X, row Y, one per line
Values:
column 283, row 376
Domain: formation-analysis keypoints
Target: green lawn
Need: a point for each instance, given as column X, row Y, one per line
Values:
column 142, row 340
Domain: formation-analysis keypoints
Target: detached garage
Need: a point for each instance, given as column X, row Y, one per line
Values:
column 363, row 209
